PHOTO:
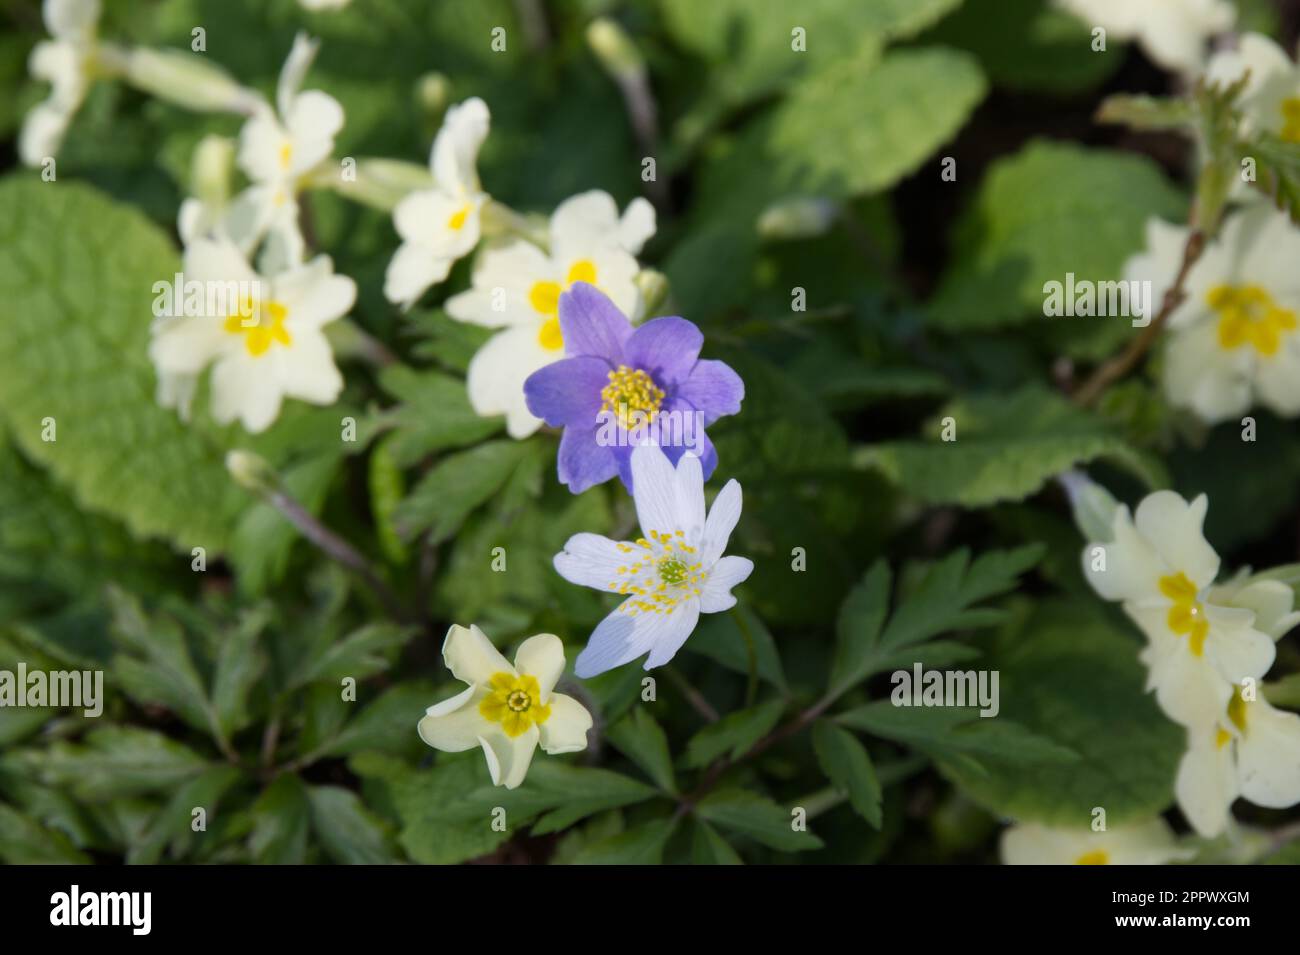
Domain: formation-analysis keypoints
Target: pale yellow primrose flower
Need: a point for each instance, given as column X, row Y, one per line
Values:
column 67, row 63
column 1160, row 566
column 1252, row 751
column 1145, row 843
column 266, row 342
column 1270, row 99
column 440, row 225
column 507, row 710
column 277, row 149
column 516, row 288
column 1234, row 341
column 1173, row 33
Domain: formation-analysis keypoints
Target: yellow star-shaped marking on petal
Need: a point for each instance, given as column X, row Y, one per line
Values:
column 515, row 703
column 1186, row 617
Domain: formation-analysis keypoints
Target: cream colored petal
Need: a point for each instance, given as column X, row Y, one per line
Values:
column 496, row 375
column 1174, row 528
column 508, row 759
column 1271, row 601
column 1268, row 757
column 542, row 656
column 455, row 724
column 242, row 389
column 455, row 149
column 306, row 368
column 565, row 731
column 413, row 269
column 471, row 657
column 1206, row 784
column 1128, row 567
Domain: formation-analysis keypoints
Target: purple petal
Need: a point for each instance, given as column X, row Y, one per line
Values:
column 592, row 325
column 666, row 349
column 712, row 388
column 582, row 463
column 567, row 392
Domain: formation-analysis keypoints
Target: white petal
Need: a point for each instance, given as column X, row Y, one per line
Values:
column 1189, row 689
column 654, row 486
column 1268, row 756
column 723, row 516
column 1278, row 379
column 42, row 133
column 185, row 346
column 496, row 375
column 679, row 624
column 455, row 149
column 637, row 225
column 541, row 656
column 565, row 730
column 312, row 122
column 243, row 388
column 295, row 68
column 1174, row 528
column 726, row 573
column 503, row 278
column 261, row 142
column 306, row 368
column 1202, row 376
column 1206, row 784
column 314, row 295
column 455, row 724
column 1272, row 603
column 1236, row 650
column 71, row 19
column 622, row 637
column 690, row 498
column 470, row 656
column 508, row 759
column 589, row 218
column 591, row 560
column 412, row 271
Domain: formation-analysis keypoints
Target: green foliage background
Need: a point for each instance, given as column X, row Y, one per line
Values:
column 923, row 300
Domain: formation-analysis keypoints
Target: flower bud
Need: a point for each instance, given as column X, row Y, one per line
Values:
column 188, row 80
column 798, row 218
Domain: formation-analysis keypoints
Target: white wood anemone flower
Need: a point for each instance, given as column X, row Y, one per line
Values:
column 1251, row 751
column 507, row 710
column 263, row 336
column 1173, row 33
column 516, row 288
column 1143, row 843
column 442, row 224
column 1234, row 340
column 68, row 63
column 669, row 576
column 278, row 148
column 1159, row 565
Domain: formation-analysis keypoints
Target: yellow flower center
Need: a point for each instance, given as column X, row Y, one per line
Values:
column 1095, row 857
column 1248, row 315
column 515, row 702
column 1186, row 616
column 544, row 297
column 261, row 324
column 459, row 218
column 286, row 155
column 631, row 392
column 1291, row 119
column 661, row 573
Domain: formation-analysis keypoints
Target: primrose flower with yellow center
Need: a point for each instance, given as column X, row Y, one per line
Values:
column 507, row 710
column 1143, row 843
column 1234, row 341
column 1251, row 750
column 263, row 336
column 277, row 149
column 517, row 288
column 1173, row 33
column 69, row 63
column 668, row 577
column 441, row 224
column 619, row 387
column 1158, row 563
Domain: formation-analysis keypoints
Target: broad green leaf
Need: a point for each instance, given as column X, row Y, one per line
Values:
column 348, row 831
column 849, row 767
column 458, row 484
column 77, row 272
column 240, row 664
column 640, row 845
column 734, row 733
column 643, row 741
column 386, row 724
column 282, row 823
column 116, row 761
column 421, row 797
column 1069, row 676
column 434, row 414
column 857, row 628
column 362, row 653
column 1006, row 448
column 174, row 821
column 721, row 638
column 709, row 848
column 24, row 841
column 1051, row 209
column 758, row 818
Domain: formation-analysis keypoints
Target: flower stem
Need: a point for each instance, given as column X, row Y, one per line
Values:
column 1119, row 366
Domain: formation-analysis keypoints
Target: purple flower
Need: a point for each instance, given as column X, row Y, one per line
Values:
column 619, row 387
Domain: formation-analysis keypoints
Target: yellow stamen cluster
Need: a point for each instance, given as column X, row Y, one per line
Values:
column 459, row 218
column 661, row 573
column 515, row 703
column 1186, row 616
column 544, row 297
column 268, row 328
column 631, row 392
column 1290, row 119
column 286, row 155
column 1248, row 315
column 1095, row 857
